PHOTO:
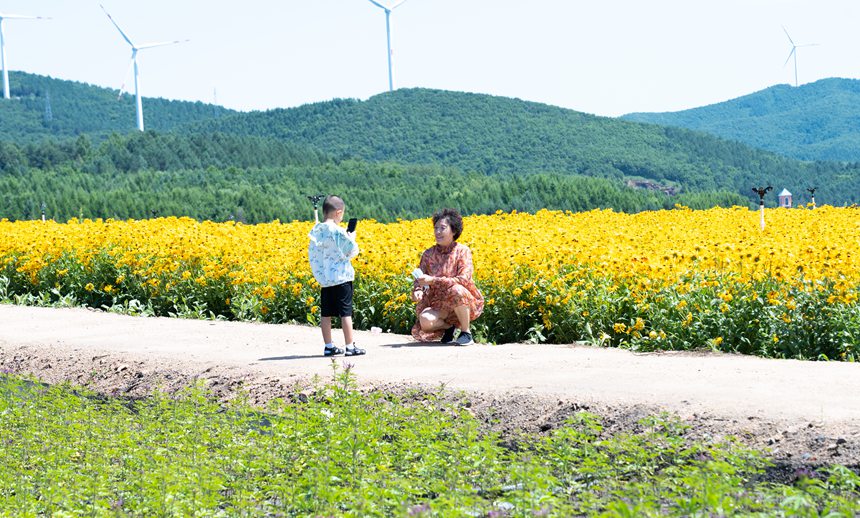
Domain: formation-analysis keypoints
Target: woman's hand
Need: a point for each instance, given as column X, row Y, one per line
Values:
column 417, row 296
column 426, row 280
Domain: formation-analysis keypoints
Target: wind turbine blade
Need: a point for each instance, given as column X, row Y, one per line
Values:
column 377, row 4
column 398, row 3
column 160, row 44
column 22, row 17
column 117, row 26
column 789, row 56
column 125, row 77
column 809, row 45
column 789, row 37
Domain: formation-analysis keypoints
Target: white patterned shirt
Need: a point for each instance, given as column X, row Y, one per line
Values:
column 329, row 252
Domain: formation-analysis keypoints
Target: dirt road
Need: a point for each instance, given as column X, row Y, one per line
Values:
column 809, row 409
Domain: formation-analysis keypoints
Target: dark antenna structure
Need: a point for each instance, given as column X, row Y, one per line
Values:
column 761, row 191
column 315, row 199
column 812, row 193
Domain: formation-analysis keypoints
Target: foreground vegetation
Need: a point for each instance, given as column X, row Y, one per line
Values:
column 334, row 451
column 676, row 279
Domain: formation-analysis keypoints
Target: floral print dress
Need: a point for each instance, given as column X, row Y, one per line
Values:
column 455, row 287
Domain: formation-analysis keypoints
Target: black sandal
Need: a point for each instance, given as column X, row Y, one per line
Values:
column 332, row 351
column 354, row 351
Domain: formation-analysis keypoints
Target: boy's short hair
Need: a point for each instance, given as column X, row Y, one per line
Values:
column 455, row 220
column 331, row 204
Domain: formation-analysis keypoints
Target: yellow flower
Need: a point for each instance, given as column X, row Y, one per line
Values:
column 619, row 327
column 89, row 287
column 108, row 288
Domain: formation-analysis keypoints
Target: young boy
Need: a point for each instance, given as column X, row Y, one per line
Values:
column 330, row 251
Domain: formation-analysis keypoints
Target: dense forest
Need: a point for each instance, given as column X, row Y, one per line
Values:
column 73, row 147
column 816, row 121
column 249, row 179
column 496, row 135
column 43, row 107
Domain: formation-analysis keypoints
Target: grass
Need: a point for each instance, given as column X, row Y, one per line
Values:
column 334, row 451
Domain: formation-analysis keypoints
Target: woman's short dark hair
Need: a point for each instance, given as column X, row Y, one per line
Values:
column 455, row 220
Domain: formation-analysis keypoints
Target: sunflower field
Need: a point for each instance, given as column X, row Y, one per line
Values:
column 661, row 280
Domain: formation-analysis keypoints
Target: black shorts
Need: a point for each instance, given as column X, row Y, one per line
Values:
column 336, row 301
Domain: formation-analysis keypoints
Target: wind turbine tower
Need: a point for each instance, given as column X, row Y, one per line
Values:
column 793, row 53
column 134, row 51
column 3, row 18
column 388, row 35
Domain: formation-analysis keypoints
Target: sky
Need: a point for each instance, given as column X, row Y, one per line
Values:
column 605, row 57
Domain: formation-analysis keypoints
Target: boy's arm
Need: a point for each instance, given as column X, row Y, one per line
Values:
column 347, row 245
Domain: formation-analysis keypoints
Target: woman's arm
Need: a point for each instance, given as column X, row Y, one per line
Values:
column 417, row 288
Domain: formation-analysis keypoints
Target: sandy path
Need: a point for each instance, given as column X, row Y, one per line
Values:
column 721, row 385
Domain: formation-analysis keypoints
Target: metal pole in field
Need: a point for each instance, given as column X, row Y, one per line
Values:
column 761, row 191
column 43, row 211
column 812, row 192
column 315, row 199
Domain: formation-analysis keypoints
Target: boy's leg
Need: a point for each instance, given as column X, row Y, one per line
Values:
column 346, row 324
column 325, row 325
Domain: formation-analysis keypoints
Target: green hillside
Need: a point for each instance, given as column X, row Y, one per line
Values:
column 252, row 179
column 502, row 136
column 816, row 121
column 43, row 106
column 483, row 152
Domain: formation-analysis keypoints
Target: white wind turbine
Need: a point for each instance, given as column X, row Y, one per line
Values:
column 793, row 53
column 388, row 34
column 134, row 50
column 4, row 17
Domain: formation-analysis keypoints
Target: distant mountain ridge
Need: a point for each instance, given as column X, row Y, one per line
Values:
column 43, row 106
column 815, row 121
column 497, row 137
column 503, row 136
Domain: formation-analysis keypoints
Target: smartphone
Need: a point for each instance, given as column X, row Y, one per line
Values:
column 350, row 227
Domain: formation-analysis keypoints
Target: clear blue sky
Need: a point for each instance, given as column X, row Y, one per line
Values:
column 607, row 57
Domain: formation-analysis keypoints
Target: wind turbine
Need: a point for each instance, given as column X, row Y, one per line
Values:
column 134, row 51
column 793, row 53
column 4, row 17
column 388, row 34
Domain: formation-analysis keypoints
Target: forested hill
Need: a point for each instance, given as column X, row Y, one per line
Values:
column 252, row 179
column 816, row 121
column 42, row 106
column 496, row 135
